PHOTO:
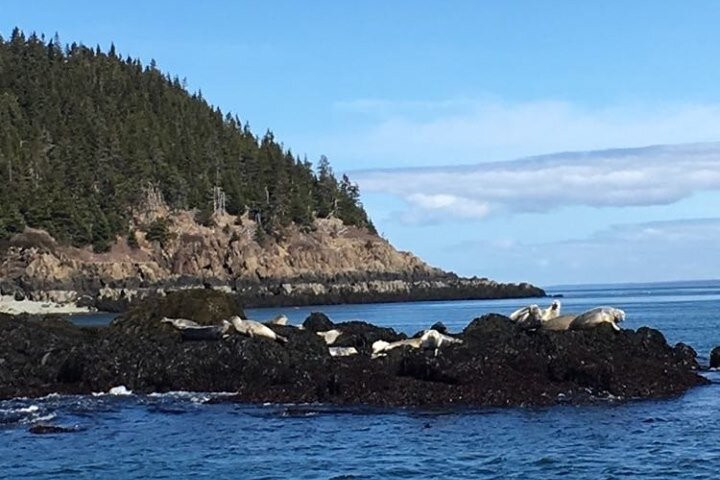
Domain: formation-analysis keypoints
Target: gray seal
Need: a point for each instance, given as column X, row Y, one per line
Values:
column 597, row 316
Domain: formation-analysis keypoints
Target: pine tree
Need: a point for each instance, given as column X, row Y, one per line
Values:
column 83, row 132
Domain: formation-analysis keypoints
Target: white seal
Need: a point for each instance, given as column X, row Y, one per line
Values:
column 342, row 351
column 330, row 336
column 279, row 320
column 252, row 329
column 553, row 311
column 433, row 340
column 430, row 340
column 180, row 323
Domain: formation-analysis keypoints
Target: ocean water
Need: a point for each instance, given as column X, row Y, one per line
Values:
column 180, row 435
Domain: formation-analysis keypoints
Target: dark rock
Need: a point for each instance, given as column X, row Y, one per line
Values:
column 362, row 335
column 318, row 322
column 204, row 306
column 498, row 363
column 42, row 429
column 19, row 296
column 687, row 355
column 491, row 325
column 715, row 358
column 439, row 326
column 210, row 332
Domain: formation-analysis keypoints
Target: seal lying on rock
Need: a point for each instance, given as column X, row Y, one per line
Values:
column 342, row 351
column 558, row 323
column 527, row 317
column 430, row 340
column 252, row 329
column 279, row 320
column 191, row 331
column 381, row 347
column 206, row 332
column 596, row 316
column 180, row 323
column 330, row 336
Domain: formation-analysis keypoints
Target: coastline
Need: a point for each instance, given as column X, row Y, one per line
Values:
column 119, row 296
column 11, row 306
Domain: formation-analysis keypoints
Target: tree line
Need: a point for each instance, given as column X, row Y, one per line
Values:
column 84, row 133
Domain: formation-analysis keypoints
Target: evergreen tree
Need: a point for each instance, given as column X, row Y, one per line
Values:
column 82, row 132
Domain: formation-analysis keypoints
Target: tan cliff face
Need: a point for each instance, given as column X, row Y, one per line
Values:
column 226, row 251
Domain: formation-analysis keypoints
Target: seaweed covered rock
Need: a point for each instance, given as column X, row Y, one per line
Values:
column 318, row 322
column 203, row 306
column 495, row 362
column 41, row 355
column 362, row 335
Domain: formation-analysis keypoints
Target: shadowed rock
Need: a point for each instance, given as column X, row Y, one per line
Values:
column 715, row 358
column 318, row 322
column 41, row 429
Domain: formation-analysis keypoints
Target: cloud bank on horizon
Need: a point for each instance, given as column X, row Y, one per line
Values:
column 657, row 175
column 640, row 252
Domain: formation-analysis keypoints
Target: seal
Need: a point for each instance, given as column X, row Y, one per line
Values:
column 206, row 332
column 429, row 340
column 381, row 347
column 522, row 313
column 527, row 317
column 180, row 323
column 279, row 320
column 559, row 323
column 596, row 316
column 251, row 328
column 433, row 340
column 553, row 311
column 342, row 351
column 330, row 336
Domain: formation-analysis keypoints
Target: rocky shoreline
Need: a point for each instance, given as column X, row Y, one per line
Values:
column 360, row 288
column 331, row 264
column 496, row 364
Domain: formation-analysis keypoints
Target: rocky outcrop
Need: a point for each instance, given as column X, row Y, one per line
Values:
column 715, row 358
column 496, row 364
column 330, row 263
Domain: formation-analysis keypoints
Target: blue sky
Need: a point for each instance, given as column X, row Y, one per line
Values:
column 400, row 93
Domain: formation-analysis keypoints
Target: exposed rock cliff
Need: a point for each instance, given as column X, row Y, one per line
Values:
column 329, row 263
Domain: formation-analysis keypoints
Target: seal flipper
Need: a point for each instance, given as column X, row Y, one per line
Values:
column 281, row 339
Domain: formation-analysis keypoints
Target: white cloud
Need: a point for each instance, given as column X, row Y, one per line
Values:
column 656, row 251
column 468, row 130
column 612, row 178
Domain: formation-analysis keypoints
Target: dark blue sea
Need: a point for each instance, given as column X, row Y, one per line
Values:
column 179, row 435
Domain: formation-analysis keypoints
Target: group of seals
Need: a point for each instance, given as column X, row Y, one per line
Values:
column 550, row 319
column 531, row 317
column 429, row 340
column 534, row 315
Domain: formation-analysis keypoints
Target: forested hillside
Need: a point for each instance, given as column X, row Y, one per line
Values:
column 85, row 134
